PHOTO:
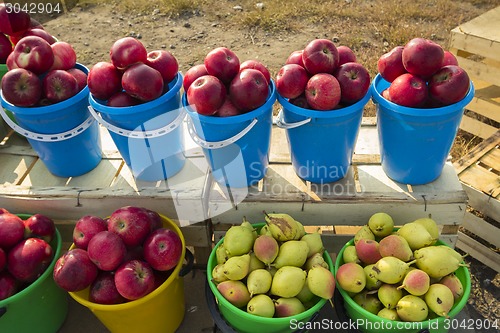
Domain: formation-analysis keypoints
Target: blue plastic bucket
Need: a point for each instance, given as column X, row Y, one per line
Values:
column 149, row 136
column 321, row 143
column 236, row 147
column 415, row 143
column 64, row 135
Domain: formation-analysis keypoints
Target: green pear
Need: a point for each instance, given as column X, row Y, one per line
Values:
column 412, row 308
column 351, row 277
column 248, row 225
column 390, row 314
column 236, row 268
column 416, row 282
column 261, row 305
column 395, row 246
column 372, row 283
column 381, row 224
column 221, row 254
column 416, row 235
column 266, row 248
column 452, row 252
column 364, row 233
column 301, row 231
column 390, row 269
column 350, row 255
column 255, row 263
column 431, row 226
column 282, row 226
column 315, row 259
column 305, row 294
column 288, row 281
column 314, row 242
column 238, row 240
column 265, row 231
column 235, row 292
column 437, row 261
column 321, row 282
column 286, row 307
column 455, row 285
column 368, row 301
column 439, row 299
column 291, row 253
column 389, row 295
column 259, row 282
column 218, row 274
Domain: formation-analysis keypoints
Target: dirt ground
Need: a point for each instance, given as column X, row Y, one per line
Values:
column 92, row 29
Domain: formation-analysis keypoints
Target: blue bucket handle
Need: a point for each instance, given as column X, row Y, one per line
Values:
column 217, row 144
column 47, row 137
column 139, row 134
column 280, row 122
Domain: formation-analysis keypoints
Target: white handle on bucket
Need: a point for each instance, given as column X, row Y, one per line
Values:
column 280, row 122
column 47, row 137
column 139, row 134
column 217, row 144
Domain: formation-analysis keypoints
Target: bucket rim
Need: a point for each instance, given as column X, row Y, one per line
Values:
column 100, row 106
column 48, row 271
column 262, row 320
column 457, row 307
column 417, row 112
column 289, row 107
column 43, row 110
column 167, row 222
column 271, row 98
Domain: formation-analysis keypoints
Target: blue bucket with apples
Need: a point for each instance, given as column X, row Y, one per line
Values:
column 415, row 142
column 236, row 147
column 149, row 136
column 321, row 143
column 64, row 135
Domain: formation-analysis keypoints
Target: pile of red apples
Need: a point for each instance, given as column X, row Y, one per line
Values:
column 25, row 250
column 322, row 77
column 223, row 87
column 133, row 75
column 121, row 258
column 41, row 70
column 422, row 75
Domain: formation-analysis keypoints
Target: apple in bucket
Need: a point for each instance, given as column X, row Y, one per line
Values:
column 74, row 271
column 29, row 258
column 21, row 87
column 40, row 226
column 85, row 228
column 11, row 230
column 34, row 53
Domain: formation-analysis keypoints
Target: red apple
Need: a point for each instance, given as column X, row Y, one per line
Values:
column 131, row 223
column 134, row 279
column 64, row 56
column 85, row 228
column 103, row 290
column 11, row 230
column 8, row 285
column 40, row 226
column 34, row 24
column 142, row 82
column 346, row 54
column 163, row 249
column 408, row 90
column 422, row 57
column 104, row 80
column 227, row 109
column 323, row 92
column 154, row 218
column 34, row 32
column 127, row 51
column 449, row 85
column 164, row 62
column 390, row 64
column 106, row 250
column 21, row 87
column 13, row 22
column 134, row 253
column 3, row 259
column 291, row 80
column 449, row 59
column 34, row 53
column 80, row 76
column 59, row 85
column 222, row 63
column 29, row 258
column 300, row 101
column 5, row 48
column 320, row 56
column 206, row 94
column 248, row 90
column 386, row 94
column 295, row 58
column 254, row 64
column 74, row 271
column 3, row 211
column 122, row 99
column 11, row 62
column 192, row 74
column 354, row 81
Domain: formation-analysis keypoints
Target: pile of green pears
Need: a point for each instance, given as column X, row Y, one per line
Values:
column 276, row 271
column 401, row 275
